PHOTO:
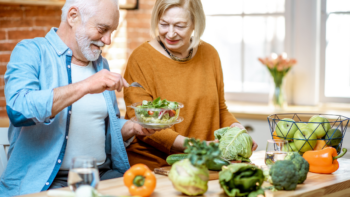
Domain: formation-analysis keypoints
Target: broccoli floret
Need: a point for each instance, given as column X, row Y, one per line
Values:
column 300, row 163
column 284, row 175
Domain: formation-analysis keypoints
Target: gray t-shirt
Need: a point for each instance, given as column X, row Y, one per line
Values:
column 87, row 124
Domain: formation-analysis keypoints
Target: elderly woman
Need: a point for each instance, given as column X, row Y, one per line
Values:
column 177, row 67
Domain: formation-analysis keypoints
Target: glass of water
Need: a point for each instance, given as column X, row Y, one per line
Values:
column 83, row 171
column 276, row 149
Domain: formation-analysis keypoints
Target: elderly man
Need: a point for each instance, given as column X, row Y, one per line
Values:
column 61, row 102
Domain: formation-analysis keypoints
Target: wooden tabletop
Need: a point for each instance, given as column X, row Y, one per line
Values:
column 336, row 184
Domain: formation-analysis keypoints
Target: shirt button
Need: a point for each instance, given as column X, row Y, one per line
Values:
column 68, row 52
column 59, row 161
column 70, row 112
column 47, row 183
column 68, row 66
column 67, row 137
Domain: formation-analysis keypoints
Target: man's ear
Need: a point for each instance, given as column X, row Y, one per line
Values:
column 73, row 16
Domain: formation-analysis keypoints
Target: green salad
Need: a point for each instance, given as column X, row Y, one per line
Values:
column 157, row 111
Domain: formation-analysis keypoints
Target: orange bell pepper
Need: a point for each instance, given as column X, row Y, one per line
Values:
column 321, row 144
column 140, row 180
column 274, row 135
column 323, row 161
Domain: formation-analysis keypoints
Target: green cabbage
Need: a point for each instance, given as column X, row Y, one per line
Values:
column 234, row 143
column 241, row 180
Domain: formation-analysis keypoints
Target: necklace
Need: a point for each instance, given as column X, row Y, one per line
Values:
column 173, row 56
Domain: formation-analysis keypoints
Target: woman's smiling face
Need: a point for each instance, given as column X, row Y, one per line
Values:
column 175, row 29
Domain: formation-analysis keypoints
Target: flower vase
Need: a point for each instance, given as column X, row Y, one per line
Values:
column 278, row 99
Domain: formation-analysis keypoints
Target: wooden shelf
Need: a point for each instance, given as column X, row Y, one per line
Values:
column 262, row 111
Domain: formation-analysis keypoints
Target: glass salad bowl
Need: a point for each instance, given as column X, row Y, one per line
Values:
column 157, row 114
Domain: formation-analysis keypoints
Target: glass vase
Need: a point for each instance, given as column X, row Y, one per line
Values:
column 278, row 98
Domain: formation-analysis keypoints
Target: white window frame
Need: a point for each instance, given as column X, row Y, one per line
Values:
column 304, row 40
column 323, row 98
column 261, row 97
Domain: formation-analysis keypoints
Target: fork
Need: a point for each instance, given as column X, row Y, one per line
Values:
column 135, row 84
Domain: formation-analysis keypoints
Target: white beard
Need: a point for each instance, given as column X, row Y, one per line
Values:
column 84, row 44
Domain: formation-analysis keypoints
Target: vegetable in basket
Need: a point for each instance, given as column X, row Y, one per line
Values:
column 241, row 180
column 333, row 137
column 190, row 176
column 323, row 161
column 234, row 143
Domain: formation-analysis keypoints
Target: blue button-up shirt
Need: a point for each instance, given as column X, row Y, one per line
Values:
column 38, row 143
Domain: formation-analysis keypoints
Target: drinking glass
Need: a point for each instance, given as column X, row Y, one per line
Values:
column 83, row 171
column 276, row 149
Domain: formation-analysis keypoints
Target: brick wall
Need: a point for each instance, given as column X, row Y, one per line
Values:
column 19, row 22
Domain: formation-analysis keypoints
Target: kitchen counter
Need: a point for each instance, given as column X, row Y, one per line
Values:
column 329, row 185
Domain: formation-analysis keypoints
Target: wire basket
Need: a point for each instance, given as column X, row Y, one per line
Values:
column 304, row 135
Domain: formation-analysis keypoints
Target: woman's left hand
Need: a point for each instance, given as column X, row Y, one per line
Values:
column 255, row 145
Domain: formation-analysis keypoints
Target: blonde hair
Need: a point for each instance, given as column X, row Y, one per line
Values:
column 193, row 6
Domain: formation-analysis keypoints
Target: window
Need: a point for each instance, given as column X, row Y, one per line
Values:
column 335, row 63
column 241, row 31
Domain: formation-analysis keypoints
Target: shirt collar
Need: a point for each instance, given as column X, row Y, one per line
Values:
column 56, row 42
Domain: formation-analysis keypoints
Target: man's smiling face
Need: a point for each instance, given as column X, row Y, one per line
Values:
column 97, row 30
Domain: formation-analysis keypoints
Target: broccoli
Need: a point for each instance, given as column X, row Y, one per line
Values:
column 284, row 175
column 300, row 163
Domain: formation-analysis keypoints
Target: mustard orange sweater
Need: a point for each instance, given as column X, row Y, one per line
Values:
column 197, row 83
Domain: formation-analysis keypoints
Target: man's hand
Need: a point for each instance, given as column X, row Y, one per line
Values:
column 104, row 80
column 139, row 130
column 255, row 145
column 130, row 129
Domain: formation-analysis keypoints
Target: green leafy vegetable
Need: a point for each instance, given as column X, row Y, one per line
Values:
column 235, row 143
column 158, row 103
column 241, row 180
column 199, row 153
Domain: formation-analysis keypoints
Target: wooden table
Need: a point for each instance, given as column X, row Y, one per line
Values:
column 330, row 185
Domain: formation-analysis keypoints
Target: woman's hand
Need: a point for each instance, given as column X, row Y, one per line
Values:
column 255, row 145
column 215, row 141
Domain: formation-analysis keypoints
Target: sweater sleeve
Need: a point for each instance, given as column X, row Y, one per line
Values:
column 226, row 118
column 162, row 140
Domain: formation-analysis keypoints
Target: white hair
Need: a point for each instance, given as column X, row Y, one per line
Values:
column 87, row 8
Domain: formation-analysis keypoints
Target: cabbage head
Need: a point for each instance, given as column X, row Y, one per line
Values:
column 234, row 143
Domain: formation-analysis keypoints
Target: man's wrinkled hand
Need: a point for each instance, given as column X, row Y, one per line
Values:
column 139, row 130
